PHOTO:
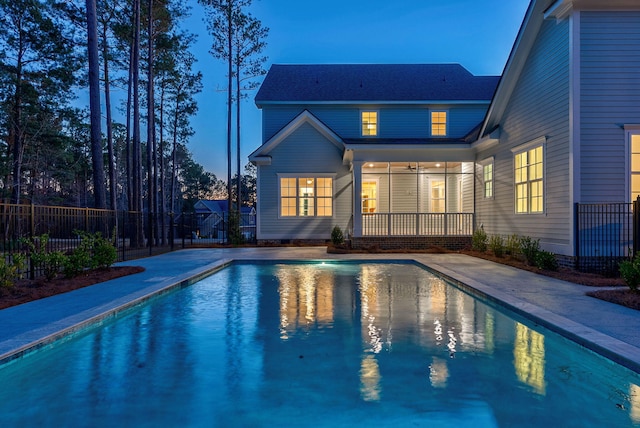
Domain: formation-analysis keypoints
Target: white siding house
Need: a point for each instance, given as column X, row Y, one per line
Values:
column 572, row 87
column 393, row 142
column 417, row 151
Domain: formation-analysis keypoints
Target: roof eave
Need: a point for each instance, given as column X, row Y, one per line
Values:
column 263, row 103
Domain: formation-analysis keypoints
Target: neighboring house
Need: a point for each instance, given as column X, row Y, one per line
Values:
column 410, row 153
column 212, row 214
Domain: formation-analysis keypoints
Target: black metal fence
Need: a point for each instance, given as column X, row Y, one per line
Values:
column 135, row 234
column 604, row 235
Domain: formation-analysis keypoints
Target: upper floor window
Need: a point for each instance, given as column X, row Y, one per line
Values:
column 438, row 123
column 528, row 180
column 369, row 121
column 306, row 196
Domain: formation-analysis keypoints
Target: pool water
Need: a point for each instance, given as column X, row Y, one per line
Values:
column 322, row 345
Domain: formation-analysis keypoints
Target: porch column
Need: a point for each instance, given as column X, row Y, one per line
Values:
column 357, row 198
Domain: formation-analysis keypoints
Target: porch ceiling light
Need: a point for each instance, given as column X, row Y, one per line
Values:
column 437, row 165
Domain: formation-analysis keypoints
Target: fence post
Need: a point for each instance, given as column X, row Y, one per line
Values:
column 171, row 230
column 576, row 232
column 124, row 235
column 32, row 221
column 636, row 226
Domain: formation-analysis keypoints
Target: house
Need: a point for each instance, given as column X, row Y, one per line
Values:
column 414, row 154
column 384, row 151
column 211, row 216
column 566, row 120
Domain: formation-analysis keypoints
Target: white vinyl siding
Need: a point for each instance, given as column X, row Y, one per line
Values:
column 538, row 106
column 394, row 121
column 610, row 94
column 304, row 154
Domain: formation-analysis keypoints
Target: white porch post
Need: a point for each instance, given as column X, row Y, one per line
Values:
column 357, row 198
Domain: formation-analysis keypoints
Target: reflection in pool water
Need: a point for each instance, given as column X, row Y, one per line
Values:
column 320, row 345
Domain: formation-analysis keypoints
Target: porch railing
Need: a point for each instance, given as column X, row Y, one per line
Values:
column 417, row 224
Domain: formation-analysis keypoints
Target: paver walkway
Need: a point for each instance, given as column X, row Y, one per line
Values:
column 562, row 306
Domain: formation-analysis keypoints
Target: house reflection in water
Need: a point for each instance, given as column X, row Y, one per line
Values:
column 385, row 315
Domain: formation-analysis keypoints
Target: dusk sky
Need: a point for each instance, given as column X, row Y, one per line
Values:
column 478, row 34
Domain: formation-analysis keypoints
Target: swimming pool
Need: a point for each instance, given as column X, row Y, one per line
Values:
column 334, row 344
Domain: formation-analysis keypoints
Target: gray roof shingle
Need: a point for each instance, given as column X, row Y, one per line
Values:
column 374, row 83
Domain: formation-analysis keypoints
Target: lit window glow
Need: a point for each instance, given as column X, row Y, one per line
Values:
column 306, row 197
column 438, row 123
column 529, row 185
column 369, row 123
column 487, row 173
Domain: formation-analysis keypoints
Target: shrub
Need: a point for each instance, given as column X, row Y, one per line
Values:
column 76, row 262
column 337, row 237
column 235, row 234
column 546, row 260
column 630, row 272
column 104, row 253
column 11, row 269
column 512, row 246
column 50, row 262
column 529, row 248
column 479, row 240
column 496, row 245
column 80, row 257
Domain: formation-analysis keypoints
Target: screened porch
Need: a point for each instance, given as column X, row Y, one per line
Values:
column 414, row 199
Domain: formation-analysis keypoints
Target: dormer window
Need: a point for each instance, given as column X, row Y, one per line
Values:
column 438, row 123
column 369, row 121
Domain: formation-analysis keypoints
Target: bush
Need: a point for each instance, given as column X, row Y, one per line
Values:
column 235, row 234
column 76, row 262
column 496, row 245
column 104, row 253
column 479, row 240
column 337, row 237
column 512, row 246
column 546, row 260
column 11, row 269
column 529, row 248
column 630, row 272
column 50, row 262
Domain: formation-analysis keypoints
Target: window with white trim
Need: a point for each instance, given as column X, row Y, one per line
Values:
column 438, row 123
column 487, row 178
column 369, row 121
column 306, row 196
column 529, row 180
column 634, row 143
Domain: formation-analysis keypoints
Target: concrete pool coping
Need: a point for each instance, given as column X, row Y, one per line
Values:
column 560, row 306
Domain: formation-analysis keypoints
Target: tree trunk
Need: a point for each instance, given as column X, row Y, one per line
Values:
column 107, row 106
column 239, row 177
column 151, row 185
column 229, row 104
column 137, row 155
column 94, row 105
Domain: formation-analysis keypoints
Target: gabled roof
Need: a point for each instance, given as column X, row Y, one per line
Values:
column 373, row 83
column 261, row 155
column 217, row 206
column 538, row 11
column 522, row 46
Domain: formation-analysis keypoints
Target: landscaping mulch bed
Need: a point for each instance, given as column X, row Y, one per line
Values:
column 25, row 290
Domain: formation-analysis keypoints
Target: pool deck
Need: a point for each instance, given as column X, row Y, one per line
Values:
column 609, row 329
